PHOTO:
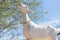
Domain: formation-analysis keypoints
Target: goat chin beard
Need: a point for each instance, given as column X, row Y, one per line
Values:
column 32, row 12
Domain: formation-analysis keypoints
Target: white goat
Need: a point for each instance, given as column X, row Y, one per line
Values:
column 33, row 31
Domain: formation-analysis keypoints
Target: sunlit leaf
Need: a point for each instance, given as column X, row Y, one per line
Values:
column 33, row 4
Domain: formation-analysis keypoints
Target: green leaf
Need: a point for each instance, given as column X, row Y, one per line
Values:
column 3, row 14
column 20, row 0
column 36, row 17
column 34, row 4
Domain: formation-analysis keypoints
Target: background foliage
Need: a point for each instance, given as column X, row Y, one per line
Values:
column 9, row 12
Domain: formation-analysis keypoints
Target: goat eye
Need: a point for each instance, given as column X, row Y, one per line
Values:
column 26, row 7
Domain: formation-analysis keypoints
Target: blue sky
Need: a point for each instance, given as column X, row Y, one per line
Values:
column 53, row 8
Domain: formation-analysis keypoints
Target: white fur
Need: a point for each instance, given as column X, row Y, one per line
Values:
column 33, row 31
